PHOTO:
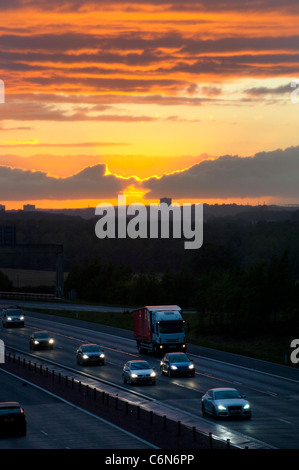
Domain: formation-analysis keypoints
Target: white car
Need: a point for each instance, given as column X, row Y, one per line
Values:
column 13, row 316
column 225, row 402
column 138, row 371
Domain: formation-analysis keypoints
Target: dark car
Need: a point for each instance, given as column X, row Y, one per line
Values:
column 177, row 363
column 41, row 340
column 12, row 419
column 90, row 354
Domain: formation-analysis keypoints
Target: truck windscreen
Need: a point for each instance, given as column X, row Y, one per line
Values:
column 171, row 327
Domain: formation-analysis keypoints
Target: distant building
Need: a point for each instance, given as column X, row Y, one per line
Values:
column 28, row 207
column 2, row 208
column 167, row 200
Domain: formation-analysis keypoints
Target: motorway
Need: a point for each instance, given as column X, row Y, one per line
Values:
column 53, row 423
column 271, row 389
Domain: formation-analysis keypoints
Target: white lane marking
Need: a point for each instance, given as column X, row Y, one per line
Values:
column 186, row 386
column 284, row 421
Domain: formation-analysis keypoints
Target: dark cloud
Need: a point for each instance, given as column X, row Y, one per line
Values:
column 105, row 101
column 90, row 183
column 38, row 111
column 266, row 174
column 62, row 59
column 273, row 65
column 236, row 43
column 47, row 47
column 263, row 90
column 209, row 5
column 273, row 174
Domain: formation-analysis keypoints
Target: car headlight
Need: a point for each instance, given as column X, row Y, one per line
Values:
column 102, row 356
column 221, row 407
column 247, row 406
column 21, row 318
column 85, row 356
column 173, row 367
column 191, row 366
column 51, row 341
column 133, row 375
column 9, row 318
column 36, row 342
column 153, row 374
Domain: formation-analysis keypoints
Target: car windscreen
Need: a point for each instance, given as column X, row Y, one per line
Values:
column 90, row 348
column 227, row 394
column 41, row 335
column 179, row 358
column 140, row 365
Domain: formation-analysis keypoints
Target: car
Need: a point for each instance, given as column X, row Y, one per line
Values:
column 177, row 363
column 225, row 402
column 90, row 353
column 139, row 371
column 41, row 340
column 13, row 316
column 12, row 418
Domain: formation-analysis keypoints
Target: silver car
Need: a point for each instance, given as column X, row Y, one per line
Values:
column 225, row 402
column 138, row 371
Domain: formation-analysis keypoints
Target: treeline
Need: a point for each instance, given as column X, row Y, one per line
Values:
column 242, row 240
column 261, row 299
column 244, row 278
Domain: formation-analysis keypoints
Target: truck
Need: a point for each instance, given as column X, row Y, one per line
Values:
column 158, row 329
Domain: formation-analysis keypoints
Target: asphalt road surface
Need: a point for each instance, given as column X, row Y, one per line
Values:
column 271, row 389
column 55, row 424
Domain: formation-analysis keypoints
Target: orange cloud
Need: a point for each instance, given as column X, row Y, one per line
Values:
column 98, row 75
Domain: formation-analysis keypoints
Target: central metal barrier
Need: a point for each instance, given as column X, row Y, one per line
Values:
column 156, row 428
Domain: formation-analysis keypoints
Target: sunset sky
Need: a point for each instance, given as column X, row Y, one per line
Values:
column 190, row 100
